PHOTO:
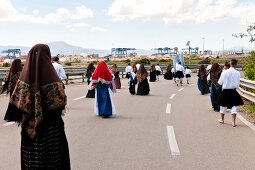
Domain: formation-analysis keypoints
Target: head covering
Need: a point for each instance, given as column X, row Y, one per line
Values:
column 12, row 76
column 202, row 71
column 152, row 67
column 215, row 72
column 114, row 68
column 39, row 89
column 142, row 73
column 169, row 67
column 102, row 73
column 90, row 70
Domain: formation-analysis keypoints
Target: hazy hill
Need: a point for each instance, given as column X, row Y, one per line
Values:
column 60, row 47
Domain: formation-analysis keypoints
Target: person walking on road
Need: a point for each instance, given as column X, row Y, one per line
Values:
column 12, row 77
column 10, row 82
column 202, row 80
column 188, row 73
column 158, row 71
column 143, row 85
column 101, row 80
column 128, row 70
column 59, row 69
column 168, row 74
column 153, row 73
column 179, row 73
column 230, row 98
column 89, row 72
column 214, row 75
column 116, row 74
column 36, row 104
column 132, row 82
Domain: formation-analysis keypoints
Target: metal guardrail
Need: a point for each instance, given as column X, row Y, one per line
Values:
column 79, row 72
column 244, row 93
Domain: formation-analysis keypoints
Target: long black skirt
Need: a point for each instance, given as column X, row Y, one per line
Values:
column 48, row 150
column 91, row 93
column 230, row 98
column 143, row 87
column 153, row 76
column 132, row 88
column 168, row 76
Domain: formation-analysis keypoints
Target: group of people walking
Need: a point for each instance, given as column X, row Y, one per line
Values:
column 38, row 99
column 222, row 85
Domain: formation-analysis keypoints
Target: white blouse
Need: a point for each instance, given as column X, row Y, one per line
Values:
column 230, row 79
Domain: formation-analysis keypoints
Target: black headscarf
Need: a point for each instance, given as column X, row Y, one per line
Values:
column 39, row 89
column 12, row 76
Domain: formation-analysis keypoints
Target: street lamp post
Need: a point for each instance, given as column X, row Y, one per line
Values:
column 223, row 48
column 203, row 46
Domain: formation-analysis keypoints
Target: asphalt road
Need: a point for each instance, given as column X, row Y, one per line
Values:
column 172, row 128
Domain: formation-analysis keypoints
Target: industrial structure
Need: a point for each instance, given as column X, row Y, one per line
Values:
column 122, row 51
column 12, row 53
column 165, row 50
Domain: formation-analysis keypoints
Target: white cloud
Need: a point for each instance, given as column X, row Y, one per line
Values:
column 80, row 25
column 97, row 29
column 60, row 16
column 173, row 11
column 6, row 9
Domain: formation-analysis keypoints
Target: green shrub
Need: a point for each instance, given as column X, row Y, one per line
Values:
column 193, row 56
column 127, row 61
column 162, row 60
column 6, row 64
column 154, row 60
column 249, row 69
column 68, row 63
column 205, row 61
column 144, row 61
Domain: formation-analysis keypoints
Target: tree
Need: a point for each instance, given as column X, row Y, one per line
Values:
column 250, row 33
column 249, row 70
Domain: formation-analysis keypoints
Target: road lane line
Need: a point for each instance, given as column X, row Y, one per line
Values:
column 172, row 96
column 181, row 89
column 172, row 141
column 168, row 108
column 8, row 123
column 79, row 98
column 250, row 125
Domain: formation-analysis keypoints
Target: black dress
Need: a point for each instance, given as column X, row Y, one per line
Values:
column 143, row 88
column 49, row 148
column 90, row 93
column 117, row 80
column 153, row 76
column 168, row 75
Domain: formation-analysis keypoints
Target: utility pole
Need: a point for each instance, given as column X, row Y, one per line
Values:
column 223, row 49
column 203, row 46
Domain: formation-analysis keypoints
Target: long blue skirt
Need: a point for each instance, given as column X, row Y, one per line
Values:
column 103, row 100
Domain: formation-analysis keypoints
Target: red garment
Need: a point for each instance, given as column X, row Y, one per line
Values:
column 102, row 73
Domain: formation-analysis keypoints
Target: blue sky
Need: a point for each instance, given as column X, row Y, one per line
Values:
column 142, row 24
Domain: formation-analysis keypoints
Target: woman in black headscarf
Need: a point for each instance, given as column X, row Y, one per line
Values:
column 37, row 103
column 143, row 85
column 202, row 80
column 153, row 75
column 215, row 73
column 10, row 82
column 116, row 73
column 89, row 72
column 12, row 77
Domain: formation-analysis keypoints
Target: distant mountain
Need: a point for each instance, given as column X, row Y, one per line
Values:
column 240, row 48
column 60, row 47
